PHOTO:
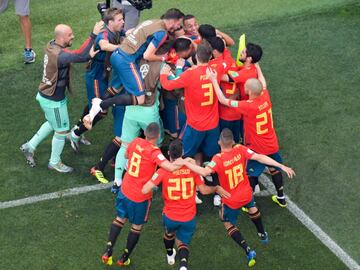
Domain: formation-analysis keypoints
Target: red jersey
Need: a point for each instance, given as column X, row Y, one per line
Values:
column 143, row 159
column 230, row 90
column 231, row 169
column 201, row 103
column 179, row 191
column 259, row 129
column 241, row 76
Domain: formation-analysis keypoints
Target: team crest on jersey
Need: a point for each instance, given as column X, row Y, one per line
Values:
column 144, row 70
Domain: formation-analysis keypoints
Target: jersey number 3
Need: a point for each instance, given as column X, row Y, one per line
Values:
column 209, row 94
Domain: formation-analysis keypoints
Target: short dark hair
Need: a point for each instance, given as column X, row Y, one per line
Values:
column 110, row 13
column 176, row 149
column 217, row 44
column 182, row 44
column 204, row 52
column 165, row 47
column 227, row 137
column 207, row 31
column 188, row 17
column 173, row 13
column 152, row 131
column 254, row 51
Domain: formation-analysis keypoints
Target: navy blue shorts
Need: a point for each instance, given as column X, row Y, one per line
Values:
column 95, row 86
column 200, row 141
column 169, row 115
column 118, row 113
column 137, row 213
column 255, row 168
column 228, row 214
column 236, row 126
column 183, row 230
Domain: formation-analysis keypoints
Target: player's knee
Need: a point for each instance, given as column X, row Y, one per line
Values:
column 136, row 228
column 253, row 210
column 140, row 99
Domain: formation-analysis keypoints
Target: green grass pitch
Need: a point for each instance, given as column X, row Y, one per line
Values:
column 311, row 62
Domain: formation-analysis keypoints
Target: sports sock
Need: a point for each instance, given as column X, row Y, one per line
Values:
column 80, row 130
column 169, row 241
column 256, row 219
column 254, row 180
column 57, row 147
column 123, row 99
column 40, row 135
column 120, row 162
column 115, row 230
column 110, row 152
column 183, row 255
column 85, row 112
column 235, row 234
column 133, row 238
column 277, row 179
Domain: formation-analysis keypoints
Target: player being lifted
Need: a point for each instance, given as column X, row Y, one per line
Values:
column 178, row 191
column 259, row 130
column 230, row 167
column 143, row 41
column 131, row 203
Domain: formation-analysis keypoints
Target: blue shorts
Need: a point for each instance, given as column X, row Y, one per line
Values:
column 127, row 72
column 182, row 120
column 255, row 168
column 183, row 230
column 200, row 141
column 236, row 126
column 228, row 214
column 96, row 84
column 118, row 113
column 137, row 213
column 169, row 115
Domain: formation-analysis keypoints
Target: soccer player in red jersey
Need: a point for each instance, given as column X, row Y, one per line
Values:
column 201, row 130
column 178, row 191
column 228, row 117
column 230, row 167
column 249, row 56
column 131, row 203
column 259, row 129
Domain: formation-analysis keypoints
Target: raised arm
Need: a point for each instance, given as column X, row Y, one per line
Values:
column 171, row 84
column 80, row 55
column 213, row 78
column 269, row 161
column 260, row 75
column 228, row 40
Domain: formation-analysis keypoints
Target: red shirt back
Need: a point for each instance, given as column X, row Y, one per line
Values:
column 231, row 169
column 201, row 103
column 179, row 191
column 143, row 159
column 259, row 129
column 241, row 76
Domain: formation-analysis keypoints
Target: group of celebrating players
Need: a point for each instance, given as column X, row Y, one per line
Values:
column 167, row 76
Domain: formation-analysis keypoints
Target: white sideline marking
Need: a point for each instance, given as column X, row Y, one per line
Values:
column 54, row 195
column 313, row 227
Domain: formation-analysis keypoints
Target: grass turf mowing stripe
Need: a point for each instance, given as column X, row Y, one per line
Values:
column 313, row 227
column 53, row 195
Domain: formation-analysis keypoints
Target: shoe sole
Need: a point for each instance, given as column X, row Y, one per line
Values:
column 74, row 146
column 54, row 169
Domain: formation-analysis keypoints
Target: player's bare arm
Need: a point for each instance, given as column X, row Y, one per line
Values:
column 205, row 190
column 148, row 187
column 105, row 45
column 261, row 77
column 228, row 40
column 212, row 74
column 269, row 161
column 150, row 55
